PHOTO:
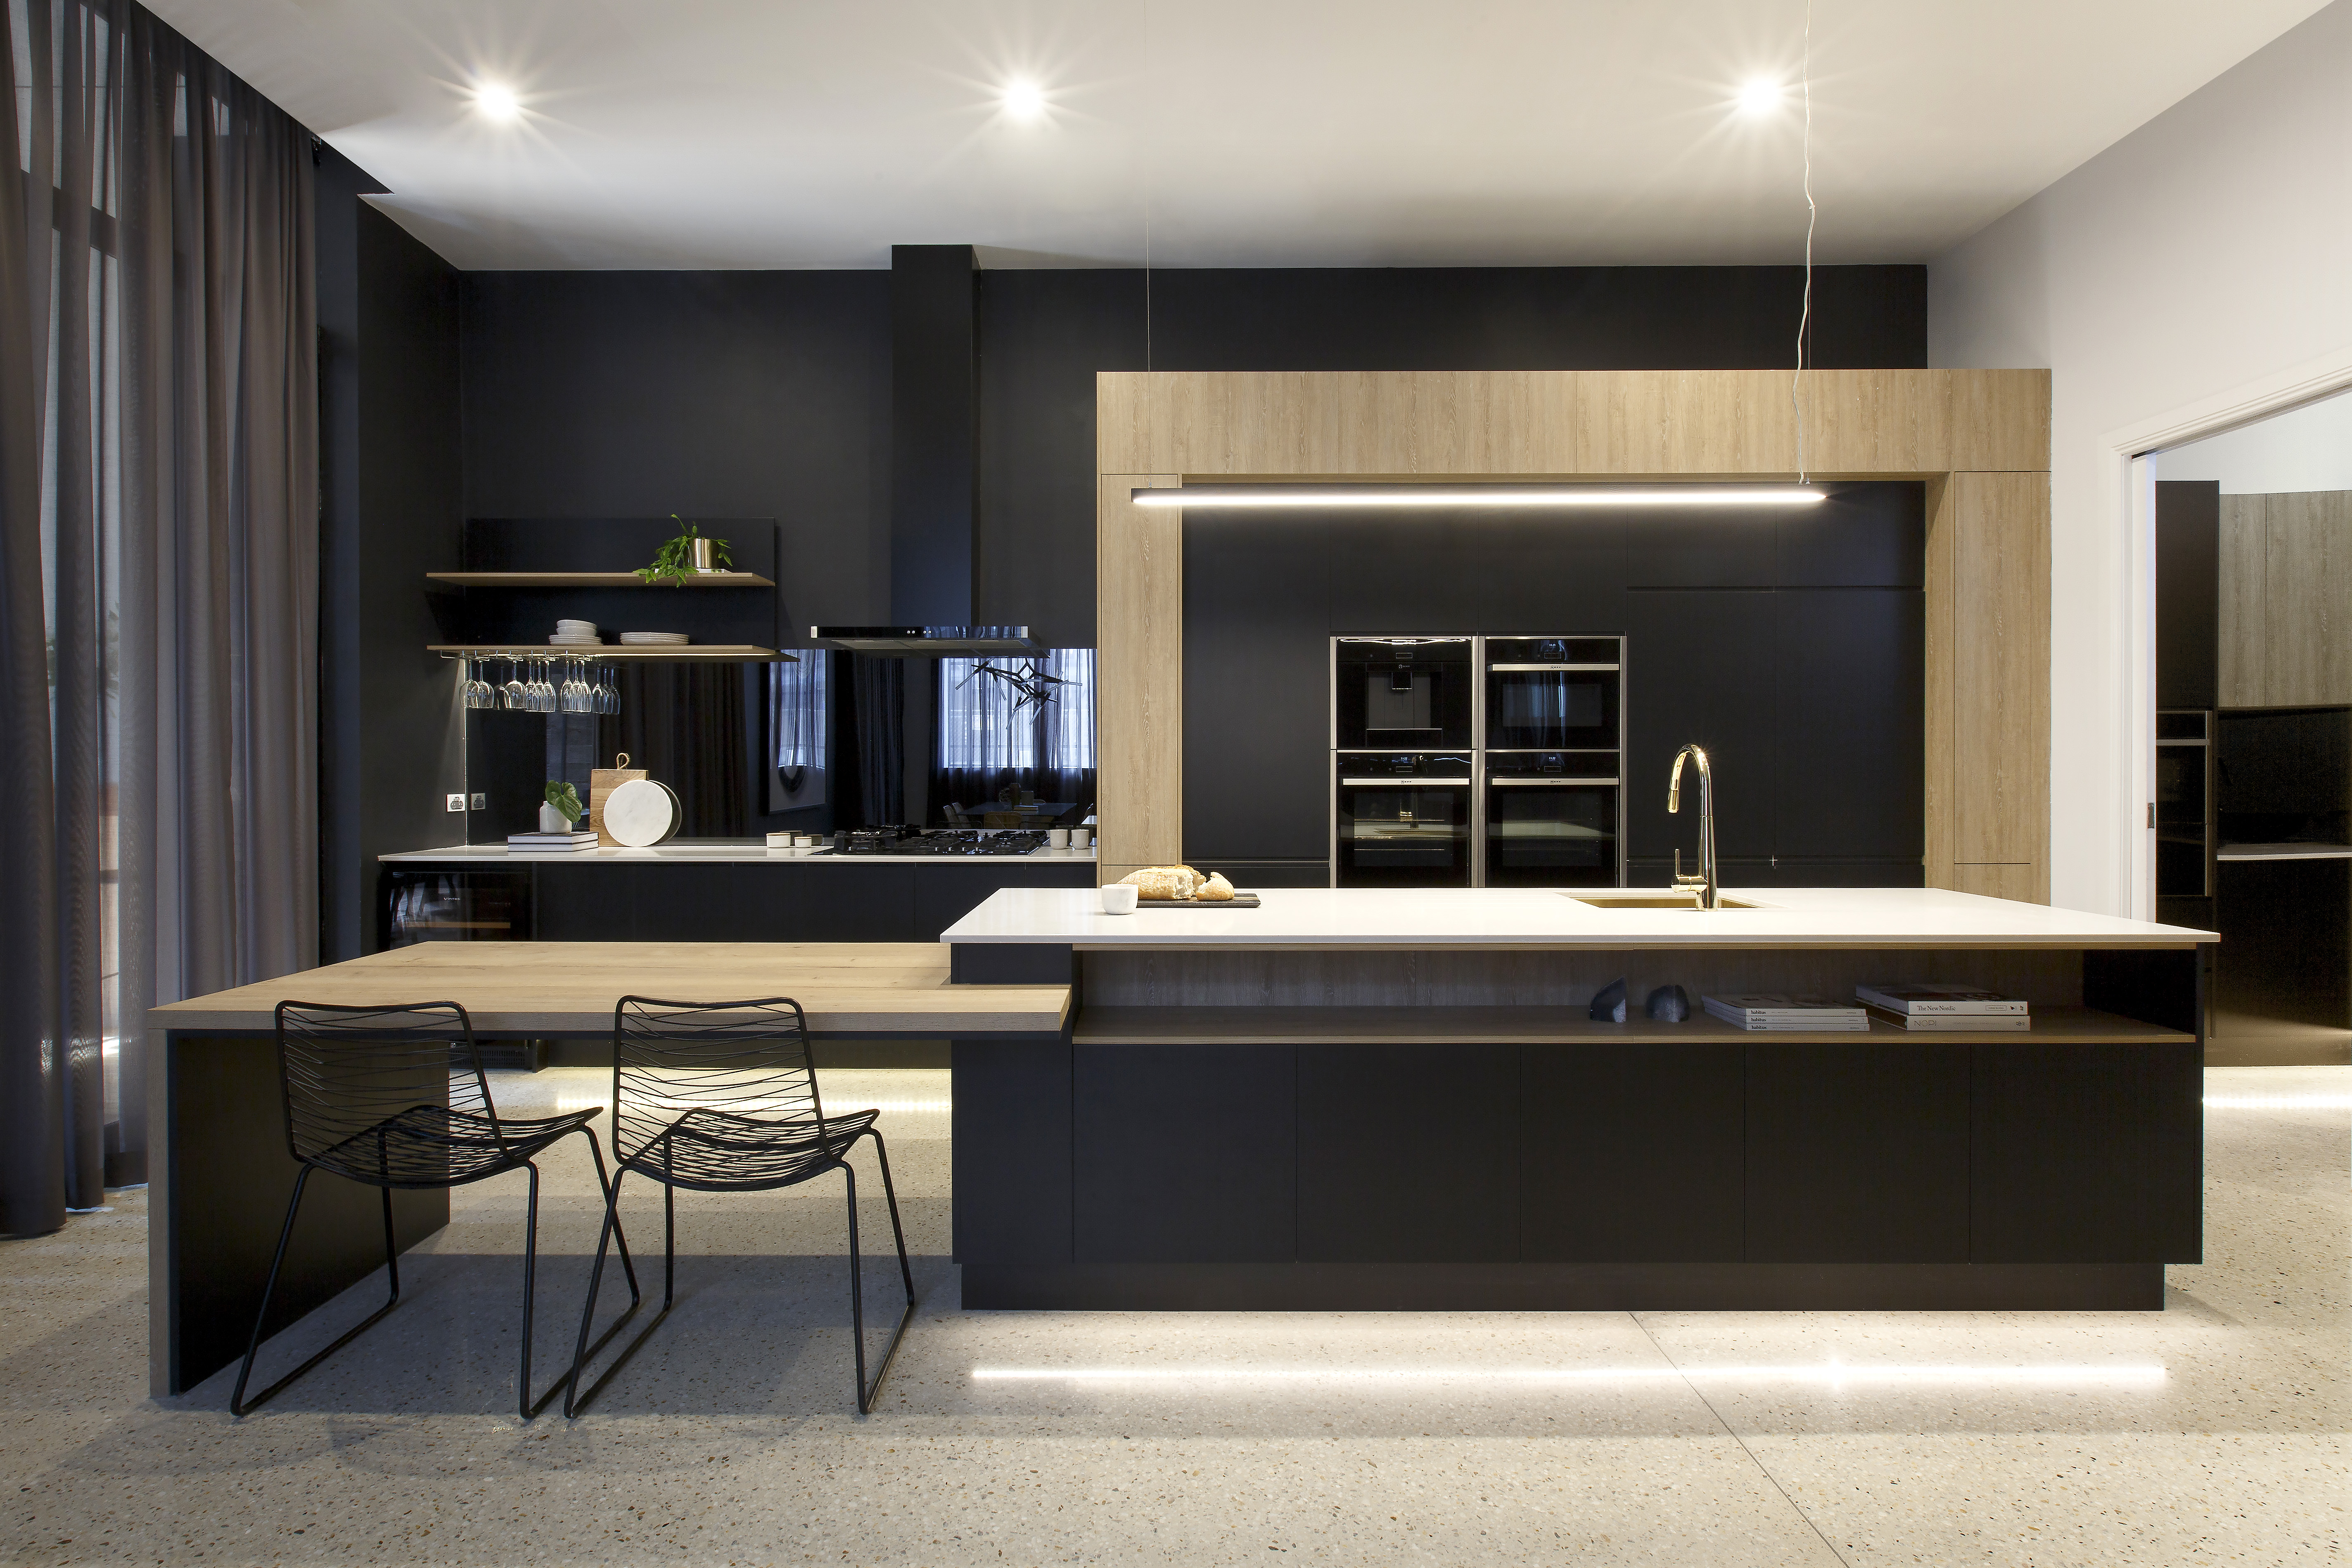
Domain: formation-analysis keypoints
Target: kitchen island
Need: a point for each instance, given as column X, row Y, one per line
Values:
column 1396, row 1100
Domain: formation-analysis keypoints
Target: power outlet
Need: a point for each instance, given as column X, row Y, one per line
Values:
column 457, row 803
column 481, row 802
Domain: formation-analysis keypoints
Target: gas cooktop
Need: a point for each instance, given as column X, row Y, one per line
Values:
column 962, row 841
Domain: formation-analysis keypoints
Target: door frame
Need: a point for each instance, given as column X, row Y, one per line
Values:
column 2127, row 499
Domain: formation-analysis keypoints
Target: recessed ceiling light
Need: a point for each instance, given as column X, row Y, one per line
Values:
column 1761, row 97
column 493, row 101
column 1024, row 100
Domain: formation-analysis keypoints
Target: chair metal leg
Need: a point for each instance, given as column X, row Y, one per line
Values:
column 867, row 1392
column 238, row 1404
column 575, row 1398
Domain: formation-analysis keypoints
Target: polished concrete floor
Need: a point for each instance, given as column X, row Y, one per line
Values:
column 2214, row 1432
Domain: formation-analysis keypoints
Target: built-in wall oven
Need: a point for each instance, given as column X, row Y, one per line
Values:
column 1403, row 819
column 1404, row 693
column 1552, row 819
column 1478, row 761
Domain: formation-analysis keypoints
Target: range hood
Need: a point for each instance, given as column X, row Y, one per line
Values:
column 928, row 642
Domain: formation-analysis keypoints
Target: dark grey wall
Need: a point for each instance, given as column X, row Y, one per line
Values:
column 1789, row 644
column 702, row 394
column 405, row 521
column 342, row 895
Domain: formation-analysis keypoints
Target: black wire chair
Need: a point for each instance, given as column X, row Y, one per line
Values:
column 721, row 1096
column 395, row 1097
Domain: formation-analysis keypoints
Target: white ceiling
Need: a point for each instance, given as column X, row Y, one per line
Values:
column 785, row 134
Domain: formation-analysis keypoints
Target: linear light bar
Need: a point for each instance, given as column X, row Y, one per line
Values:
column 2279, row 1101
column 2136, row 1375
column 1349, row 497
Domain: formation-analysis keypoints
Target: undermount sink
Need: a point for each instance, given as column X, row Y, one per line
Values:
column 1631, row 899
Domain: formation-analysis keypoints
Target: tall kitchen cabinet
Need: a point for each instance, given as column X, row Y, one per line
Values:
column 2253, row 810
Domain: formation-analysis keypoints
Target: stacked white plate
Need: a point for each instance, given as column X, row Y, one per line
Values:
column 653, row 640
column 575, row 634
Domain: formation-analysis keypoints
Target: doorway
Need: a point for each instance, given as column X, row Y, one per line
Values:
column 2253, row 727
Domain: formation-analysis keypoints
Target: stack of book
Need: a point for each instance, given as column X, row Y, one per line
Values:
column 542, row 843
column 1780, row 1010
column 1940, row 1005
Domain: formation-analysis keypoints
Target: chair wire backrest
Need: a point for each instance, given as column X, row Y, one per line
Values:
column 345, row 1072
column 735, row 1059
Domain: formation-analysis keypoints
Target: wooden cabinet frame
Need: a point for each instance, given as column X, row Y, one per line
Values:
column 1979, row 439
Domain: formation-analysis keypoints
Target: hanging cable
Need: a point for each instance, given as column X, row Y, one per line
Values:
column 1812, row 215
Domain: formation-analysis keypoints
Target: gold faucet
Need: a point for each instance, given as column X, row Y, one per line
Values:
column 1707, row 885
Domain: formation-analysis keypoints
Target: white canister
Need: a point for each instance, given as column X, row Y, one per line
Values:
column 1119, row 897
column 1058, row 838
column 1082, row 838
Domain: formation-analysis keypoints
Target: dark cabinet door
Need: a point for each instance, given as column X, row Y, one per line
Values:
column 1631, row 1153
column 1849, row 725
column 1011, row 1151
column 1857, row 1154
column 1700, row 667
column 1184, row 1154
column 2088, row 1155
column 1408, row 1153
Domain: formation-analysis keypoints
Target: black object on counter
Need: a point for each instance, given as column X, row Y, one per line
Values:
column 1668, row 1004
column 959, row 841
column 1608, row 1003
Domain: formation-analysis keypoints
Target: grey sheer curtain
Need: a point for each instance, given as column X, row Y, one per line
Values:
column 159, row 535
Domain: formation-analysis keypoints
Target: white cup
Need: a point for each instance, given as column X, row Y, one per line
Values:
column 1119, row 897
column 1082, row 838
column 1058, row 838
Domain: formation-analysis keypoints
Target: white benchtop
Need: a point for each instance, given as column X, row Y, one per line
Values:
column 1491, row 918
column 747, row 851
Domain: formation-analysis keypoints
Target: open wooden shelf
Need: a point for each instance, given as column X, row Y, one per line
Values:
column 1543, row 1025
column 595, row 580
column 605, row 653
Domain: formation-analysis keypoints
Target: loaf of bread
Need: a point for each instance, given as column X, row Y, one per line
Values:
column 1216, row 889
column 1164, row 881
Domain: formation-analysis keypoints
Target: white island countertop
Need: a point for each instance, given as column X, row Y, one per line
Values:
column 707, row 851
column 1501, row 918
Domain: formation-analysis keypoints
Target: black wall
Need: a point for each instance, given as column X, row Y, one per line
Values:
column 390, row 746
column 702, row 394
column 1791, row 644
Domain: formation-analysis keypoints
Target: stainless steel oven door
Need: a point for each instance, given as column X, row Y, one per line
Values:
column 1401, row 831
column 1551, row 832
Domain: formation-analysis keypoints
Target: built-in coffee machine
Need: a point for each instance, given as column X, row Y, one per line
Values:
column 1492, row 761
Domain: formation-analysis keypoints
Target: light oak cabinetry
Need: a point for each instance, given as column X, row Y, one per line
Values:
column 1979, row 438
column 2286, row 600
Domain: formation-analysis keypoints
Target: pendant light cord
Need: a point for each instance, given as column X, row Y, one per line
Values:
column 1812, row 215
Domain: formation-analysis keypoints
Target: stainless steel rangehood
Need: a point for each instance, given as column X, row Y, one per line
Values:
column 928, row 642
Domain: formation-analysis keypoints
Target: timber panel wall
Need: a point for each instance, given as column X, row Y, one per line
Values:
column 1979, row 438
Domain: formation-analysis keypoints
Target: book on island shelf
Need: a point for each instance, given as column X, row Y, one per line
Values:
column 582, row 840
column 1922, row 998
column 1780, row 1010
column 1980, row 1023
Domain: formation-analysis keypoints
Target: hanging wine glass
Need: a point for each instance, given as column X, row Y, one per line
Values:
column 517, row 695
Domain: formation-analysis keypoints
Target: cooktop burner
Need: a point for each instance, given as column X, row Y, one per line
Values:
column 963, row 841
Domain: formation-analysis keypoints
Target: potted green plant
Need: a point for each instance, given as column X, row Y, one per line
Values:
column 690, row 551
column 562, row 807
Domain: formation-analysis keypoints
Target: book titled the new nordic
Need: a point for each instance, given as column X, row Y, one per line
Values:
column 1980, row 1023
column 1782, row 1010
column 1921, row 997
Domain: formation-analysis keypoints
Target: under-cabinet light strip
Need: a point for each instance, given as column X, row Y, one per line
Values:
column 1481, row 495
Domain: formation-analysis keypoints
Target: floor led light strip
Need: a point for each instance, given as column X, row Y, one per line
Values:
column 1832, row 1374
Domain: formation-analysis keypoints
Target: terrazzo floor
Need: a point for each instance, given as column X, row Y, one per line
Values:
column 2214, row 1432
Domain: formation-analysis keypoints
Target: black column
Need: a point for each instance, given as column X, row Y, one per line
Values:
column 934, row 424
